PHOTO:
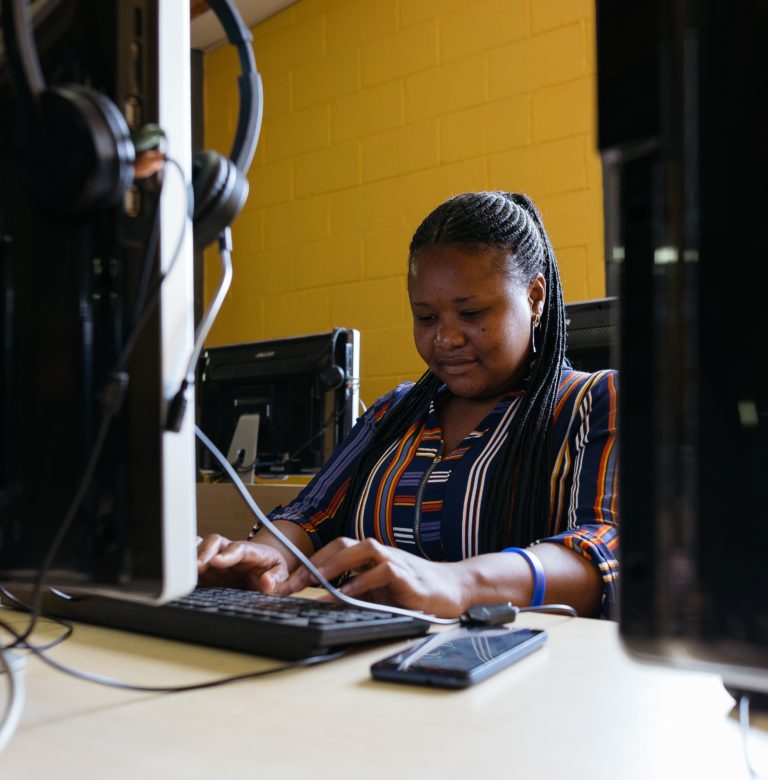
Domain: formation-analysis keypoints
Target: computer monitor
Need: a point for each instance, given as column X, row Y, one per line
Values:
column 74, row 287
column 592, row 330
column 682, row 136
column 304, row 389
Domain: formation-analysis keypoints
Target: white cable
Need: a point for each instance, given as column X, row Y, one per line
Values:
column 278, row 534
column 204, row 328
column 178, row 404
column 744, row 724
column 11, row 663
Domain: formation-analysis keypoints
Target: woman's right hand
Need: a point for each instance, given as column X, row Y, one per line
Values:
column 240, row 564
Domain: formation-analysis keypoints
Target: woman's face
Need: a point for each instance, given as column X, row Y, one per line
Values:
column 471, row 323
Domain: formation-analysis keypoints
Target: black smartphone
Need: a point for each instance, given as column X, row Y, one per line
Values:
column 459, row 657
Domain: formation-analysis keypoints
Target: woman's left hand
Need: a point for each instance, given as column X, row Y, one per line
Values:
column 387, row 575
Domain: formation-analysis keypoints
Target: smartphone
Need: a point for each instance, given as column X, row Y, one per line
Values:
column 459, row 657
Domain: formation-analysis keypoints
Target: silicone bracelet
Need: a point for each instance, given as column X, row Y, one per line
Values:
column 539, row 578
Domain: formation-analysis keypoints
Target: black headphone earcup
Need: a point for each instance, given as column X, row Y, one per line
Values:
column 220, row 190
column 332, row 377
column 82, row 155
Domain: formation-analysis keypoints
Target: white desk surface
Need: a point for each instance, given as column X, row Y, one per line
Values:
column 579, row 708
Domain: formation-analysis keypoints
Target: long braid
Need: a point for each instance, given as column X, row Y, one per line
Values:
column 520, row 490
column 517, row 508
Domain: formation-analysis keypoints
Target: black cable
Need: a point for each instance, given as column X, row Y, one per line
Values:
column 111, row 403
column 13, row 632
column 265, row 522
column 18, row 604
column 283, row 539
column 146, row 271
column 40, row 652
column 333, row 417
column 112, row 683
column 53, row 548
column 240, row 469
column 154, row 295
column 19, row 644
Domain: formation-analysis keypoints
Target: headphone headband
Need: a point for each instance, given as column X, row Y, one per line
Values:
column 249, row 83
column 97, row 142
column 29, row 80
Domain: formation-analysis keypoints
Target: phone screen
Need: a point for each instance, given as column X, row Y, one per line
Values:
column 459, row 657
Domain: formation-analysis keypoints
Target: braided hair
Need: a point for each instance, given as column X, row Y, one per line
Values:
column 516, row 511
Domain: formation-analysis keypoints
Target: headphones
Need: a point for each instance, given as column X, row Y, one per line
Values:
column 79, row 151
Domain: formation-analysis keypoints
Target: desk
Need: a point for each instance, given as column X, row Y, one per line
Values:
column 577, row 709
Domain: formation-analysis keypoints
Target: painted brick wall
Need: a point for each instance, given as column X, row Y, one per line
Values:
column 375, row 112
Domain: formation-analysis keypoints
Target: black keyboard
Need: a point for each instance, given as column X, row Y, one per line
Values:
column 278, row 626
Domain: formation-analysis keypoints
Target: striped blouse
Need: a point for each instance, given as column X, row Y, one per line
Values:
column 430, row 503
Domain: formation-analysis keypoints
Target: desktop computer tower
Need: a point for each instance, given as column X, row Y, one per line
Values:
column 80, row 285
column 682, row 118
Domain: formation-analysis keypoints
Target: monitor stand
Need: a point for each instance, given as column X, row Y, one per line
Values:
column 243, row 451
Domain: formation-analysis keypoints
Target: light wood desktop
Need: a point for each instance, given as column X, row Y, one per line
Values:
column 579, row 708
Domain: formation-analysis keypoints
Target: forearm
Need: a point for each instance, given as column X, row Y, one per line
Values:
column 498, row 577
column 295, row 534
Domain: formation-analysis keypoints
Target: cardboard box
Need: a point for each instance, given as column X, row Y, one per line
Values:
column 221, row 509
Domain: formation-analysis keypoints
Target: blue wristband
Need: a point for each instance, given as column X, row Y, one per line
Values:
column 539, row 578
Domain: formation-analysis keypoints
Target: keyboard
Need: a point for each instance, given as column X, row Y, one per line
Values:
column 286, row 627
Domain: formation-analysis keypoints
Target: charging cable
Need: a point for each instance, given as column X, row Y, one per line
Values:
column 281, row 537
column 487, row 615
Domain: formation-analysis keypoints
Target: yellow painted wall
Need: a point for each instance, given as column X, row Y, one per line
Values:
column 375, row 112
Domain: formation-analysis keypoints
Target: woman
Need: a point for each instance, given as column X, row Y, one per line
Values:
column 438, row 493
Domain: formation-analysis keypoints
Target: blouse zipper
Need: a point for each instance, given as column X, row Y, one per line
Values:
column 419, row 496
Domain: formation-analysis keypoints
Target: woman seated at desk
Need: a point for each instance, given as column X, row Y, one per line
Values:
column 492, row 478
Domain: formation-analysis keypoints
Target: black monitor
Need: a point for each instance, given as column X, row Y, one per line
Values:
column 304, row 389
column 682, row 135
column 592, row 330
column 74, row 287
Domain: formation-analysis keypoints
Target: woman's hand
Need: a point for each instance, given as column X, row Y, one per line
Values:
column 387, row 575
column 240, row 564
